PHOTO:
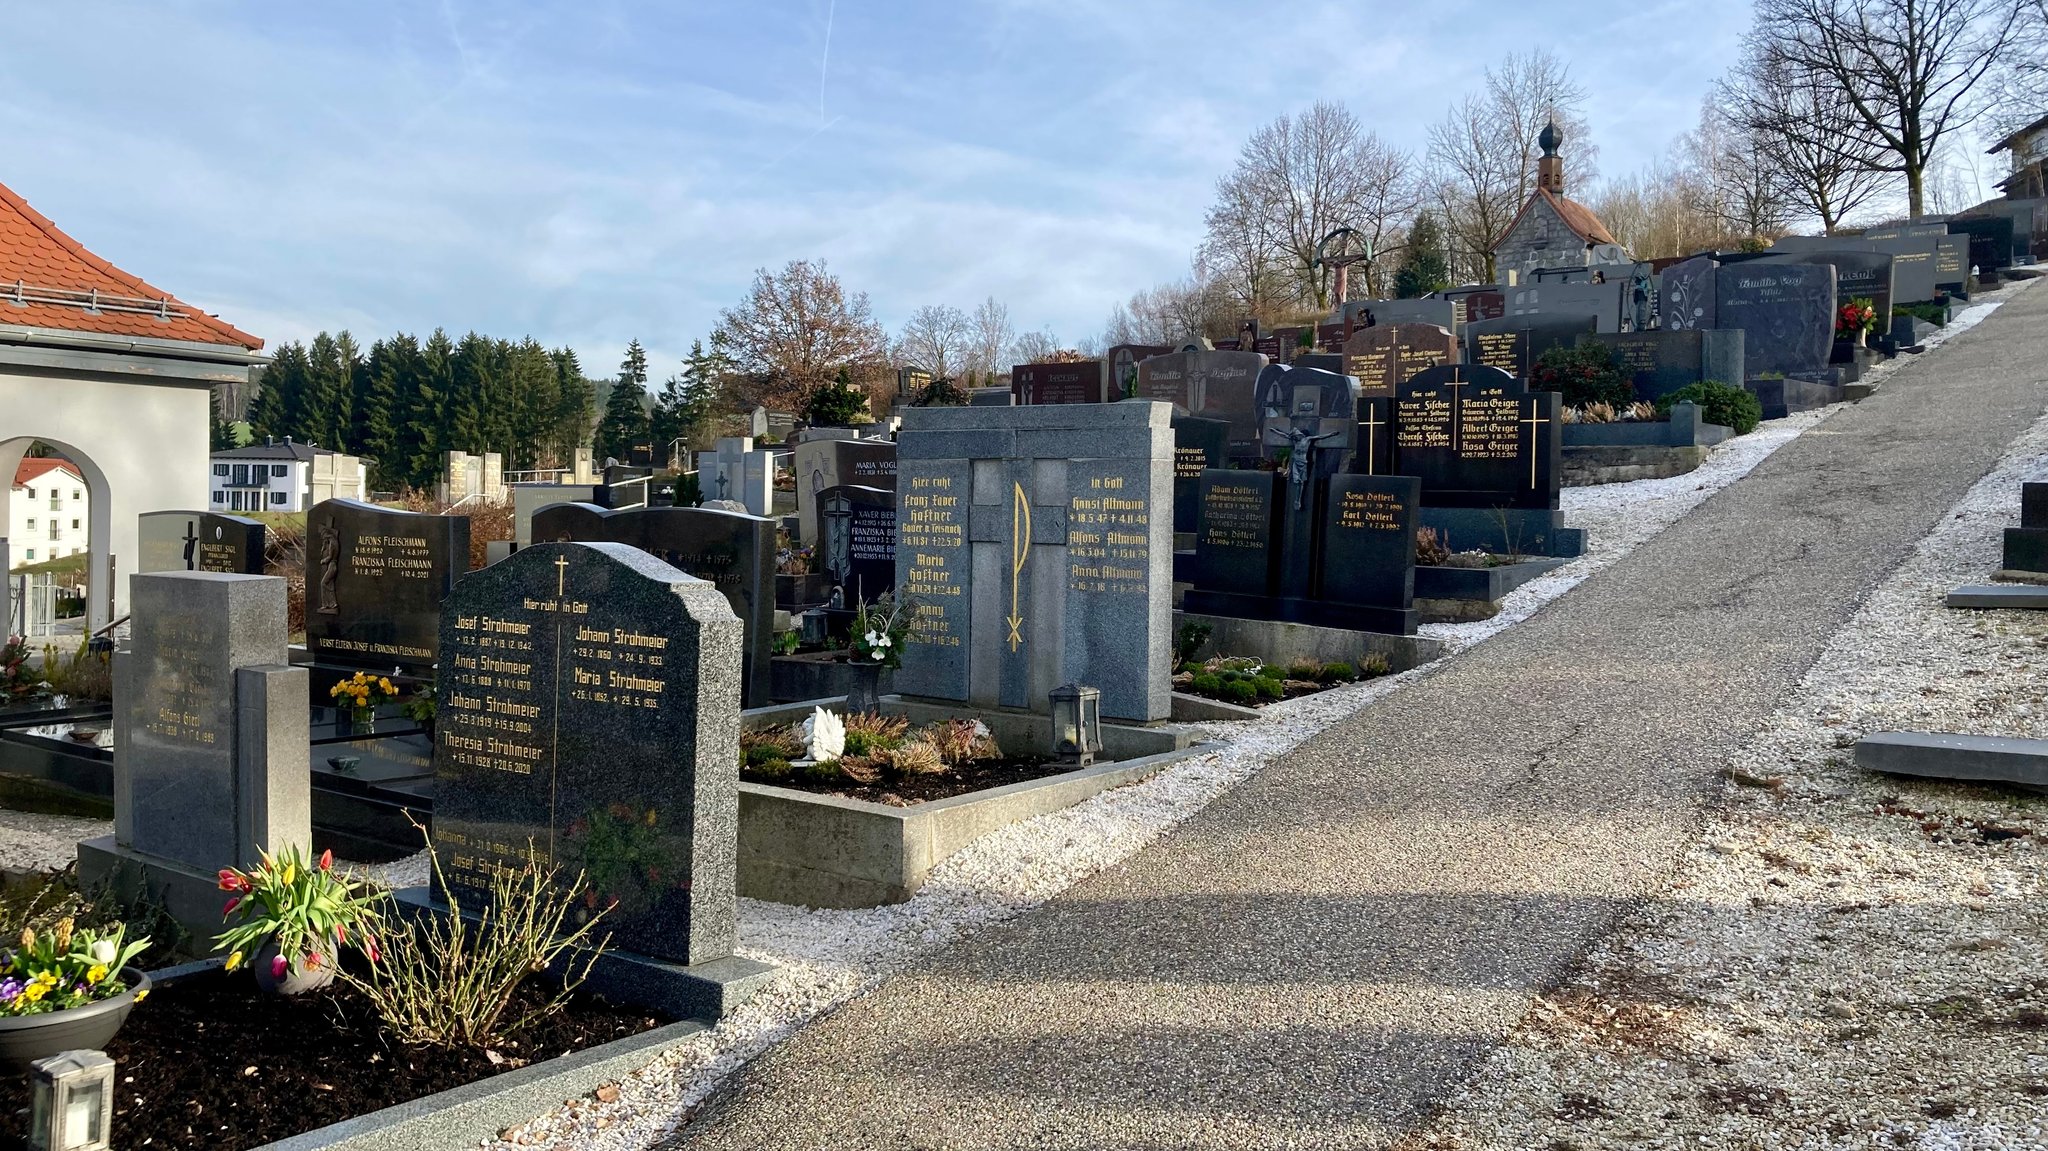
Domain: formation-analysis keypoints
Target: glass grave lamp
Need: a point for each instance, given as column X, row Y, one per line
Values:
column 1076, row 723
column 72, row 1108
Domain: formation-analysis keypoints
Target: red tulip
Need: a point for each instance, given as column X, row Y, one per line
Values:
column 278, row 967
column 230, row 908
column 327, row 860
column 340, row 933
column 230, row 880
column 374, row 955
column 313, row 961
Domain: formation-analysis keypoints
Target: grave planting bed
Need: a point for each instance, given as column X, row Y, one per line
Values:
column 211, row 1062
column 905, row 790
column 1250, row 683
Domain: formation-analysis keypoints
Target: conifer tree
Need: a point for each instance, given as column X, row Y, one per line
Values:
column 625, row 422
column 1424, row 266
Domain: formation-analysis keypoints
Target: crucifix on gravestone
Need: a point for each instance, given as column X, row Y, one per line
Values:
column 837, row 512
column 1300, row 459
column 1315, row 414
column 192, row 546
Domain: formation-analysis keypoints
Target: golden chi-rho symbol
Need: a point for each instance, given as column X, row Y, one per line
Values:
column 1020, row 548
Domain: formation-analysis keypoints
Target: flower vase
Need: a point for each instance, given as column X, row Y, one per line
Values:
column 864, row 689
column 362, row 720
column 300, row 975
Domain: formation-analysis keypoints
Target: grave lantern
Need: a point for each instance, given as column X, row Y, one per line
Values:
column 73, row 1104
column 1076, row 723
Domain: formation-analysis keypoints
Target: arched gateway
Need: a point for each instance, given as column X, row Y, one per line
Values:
column 113, row 373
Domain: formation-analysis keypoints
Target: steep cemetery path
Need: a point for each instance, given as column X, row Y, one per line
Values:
column 1317, row 957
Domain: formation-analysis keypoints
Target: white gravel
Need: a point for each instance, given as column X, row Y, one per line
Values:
column 828, row 957
column 1844, row 959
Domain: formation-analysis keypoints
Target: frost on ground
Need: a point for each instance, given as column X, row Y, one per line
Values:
column 1845, row 959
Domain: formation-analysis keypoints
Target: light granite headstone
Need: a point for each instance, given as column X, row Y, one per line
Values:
column 828, row 463
column 1037, row 542
column 211, row 738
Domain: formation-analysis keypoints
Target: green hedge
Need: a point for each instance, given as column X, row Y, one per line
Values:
column 1585, row 374
column 1730, row 407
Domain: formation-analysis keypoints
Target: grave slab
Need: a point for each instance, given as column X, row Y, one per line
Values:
column 1990, row 597
column 1938, row 755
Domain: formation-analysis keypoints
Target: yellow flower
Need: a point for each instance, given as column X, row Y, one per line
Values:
column 234, row 960
column 98, row 973
column 291, row 872
column 34, row 992
column 142, row 995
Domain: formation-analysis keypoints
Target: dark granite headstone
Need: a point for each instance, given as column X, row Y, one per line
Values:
column 1074, row 383
column 1237, row 545
column 1477, row 302
column 1991, row 239
column 2026, row 546
column 1123, row 367
column 1952, row 265
column 1859, row 275
column 1427, row 310
column 1685, row 296
column 1198, row 445
column 628, row 486
column 1213, row 385
column 1477, row 438
column 821, row 464
column 1368, row 553
column 1382, row 356
column 1604, row 302
column 1513, row 344
column 375, row 579
column 1661, row 362
column 1786, row 312
column 857, row 543
column 588, row 713
column 199, row 542
column 733, row 550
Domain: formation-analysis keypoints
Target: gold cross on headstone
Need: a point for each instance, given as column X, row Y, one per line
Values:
column 1532, row 420
column 1373, row 424
column 1457, row 399
column 561, row 574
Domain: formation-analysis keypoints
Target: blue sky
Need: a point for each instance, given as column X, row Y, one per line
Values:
column 592, row 172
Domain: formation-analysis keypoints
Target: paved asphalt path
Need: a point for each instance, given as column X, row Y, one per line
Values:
column 1319, row 956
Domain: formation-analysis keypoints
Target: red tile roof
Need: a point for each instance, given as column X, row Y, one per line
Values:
column 54, row 274
column 1576, row 216
column 34, row 467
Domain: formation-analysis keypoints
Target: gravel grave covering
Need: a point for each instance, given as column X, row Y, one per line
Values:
column 1844, row 959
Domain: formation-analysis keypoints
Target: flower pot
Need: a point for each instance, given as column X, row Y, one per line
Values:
column 864, row 688
column 27, row 1038
column 298, row 978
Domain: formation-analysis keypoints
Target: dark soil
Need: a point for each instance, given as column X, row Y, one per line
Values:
column 903, row 791
column 214, row 1063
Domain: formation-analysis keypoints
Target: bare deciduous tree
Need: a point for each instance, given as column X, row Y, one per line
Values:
column 1905, row 69
column 992, row 334
column 1483, row 153
column 1823, row 164
column 936, row 338
column 793, row 332
column 1034, row 347
column 1298, row 179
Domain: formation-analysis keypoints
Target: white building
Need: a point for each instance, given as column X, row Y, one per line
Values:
column 48, row 512
column 283, row 477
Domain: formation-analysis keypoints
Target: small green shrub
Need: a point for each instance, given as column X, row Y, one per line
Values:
column 1339, row 672
column 1302, row 669
column 1936, row 314
column 1206, row 684
column 826, row 771
column 1190, row 639
column 1230, row 675
column 1373, row 666
column 1238, row 691
column 1731, row 407
column 1270, row 688
column 771, row 768
column 1584, row 374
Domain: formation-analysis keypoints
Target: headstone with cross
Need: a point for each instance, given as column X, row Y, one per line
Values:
column 1487, row 451
column 589, row 704
column 199, row 542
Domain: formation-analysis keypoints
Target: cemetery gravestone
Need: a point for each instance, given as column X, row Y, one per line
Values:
column 731, row 549
column 1513, row 344
column 1685, row 296
column 1198, row 445
column 1952, row 266
column 211, row 740
column 1858, row 276
column 1072, row 383
column 375, row 579
column 1435, row 312
column 1603, row 302
column 1038, row 544
column 588, row 720
column 1123, row 367
column 1382, row 357
column 1478, row 302
column 1213, row 385
column 822, row 464
column 1367, row 576
column 858, row 544
column 1786, row 313
column 1661, row 362
column 199, row 542
column 1990, row 239
column 1487, row 452
column 1237, row 549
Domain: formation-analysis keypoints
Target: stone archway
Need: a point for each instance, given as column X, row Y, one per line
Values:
column 99, row 522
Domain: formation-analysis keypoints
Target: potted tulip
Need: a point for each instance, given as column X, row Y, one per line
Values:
column 67, row 989
column 291, row 919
